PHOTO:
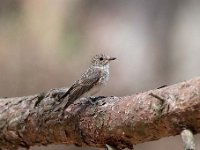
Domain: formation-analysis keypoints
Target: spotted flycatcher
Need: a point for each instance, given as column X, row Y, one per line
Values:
column 95, row 77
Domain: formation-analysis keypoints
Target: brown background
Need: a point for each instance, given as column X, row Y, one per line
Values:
column 48, row 44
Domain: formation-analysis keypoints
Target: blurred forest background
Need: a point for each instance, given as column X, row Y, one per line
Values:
column 46, row 44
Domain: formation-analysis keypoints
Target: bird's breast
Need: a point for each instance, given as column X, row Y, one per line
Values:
column 105, row 75
column 102, row 81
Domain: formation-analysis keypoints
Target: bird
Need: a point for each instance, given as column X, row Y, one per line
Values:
column 91, row 81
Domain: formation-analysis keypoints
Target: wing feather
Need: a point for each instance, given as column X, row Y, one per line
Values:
column 86, row 83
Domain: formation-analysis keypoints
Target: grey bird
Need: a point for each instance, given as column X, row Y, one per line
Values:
column 94, row 78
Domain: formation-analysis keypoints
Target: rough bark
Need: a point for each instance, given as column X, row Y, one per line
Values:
column 117, row 121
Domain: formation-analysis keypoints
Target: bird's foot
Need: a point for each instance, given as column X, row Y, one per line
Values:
column 96, row 100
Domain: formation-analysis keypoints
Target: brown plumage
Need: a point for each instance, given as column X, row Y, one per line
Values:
column 91, row 81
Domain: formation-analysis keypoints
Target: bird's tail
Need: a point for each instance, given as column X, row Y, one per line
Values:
column 62, row 101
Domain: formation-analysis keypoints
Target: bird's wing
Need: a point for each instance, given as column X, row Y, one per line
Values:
column 87, row 82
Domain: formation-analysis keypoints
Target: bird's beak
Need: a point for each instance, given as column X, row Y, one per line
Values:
column 112, row 58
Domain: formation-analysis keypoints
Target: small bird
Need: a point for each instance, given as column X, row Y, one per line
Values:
column 94, row 78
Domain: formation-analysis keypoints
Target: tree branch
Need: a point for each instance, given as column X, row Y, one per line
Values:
column 117, row 121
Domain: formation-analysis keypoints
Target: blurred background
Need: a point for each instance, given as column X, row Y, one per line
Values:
column 48, row 44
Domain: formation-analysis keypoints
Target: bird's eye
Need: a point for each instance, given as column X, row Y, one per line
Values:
column 101, row 58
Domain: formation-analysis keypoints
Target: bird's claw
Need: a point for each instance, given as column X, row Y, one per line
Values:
column 95, row 100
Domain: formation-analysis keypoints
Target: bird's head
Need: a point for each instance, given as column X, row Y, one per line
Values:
column 101, row 60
